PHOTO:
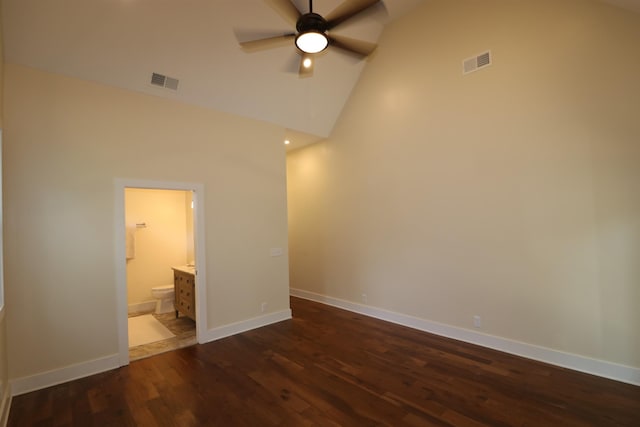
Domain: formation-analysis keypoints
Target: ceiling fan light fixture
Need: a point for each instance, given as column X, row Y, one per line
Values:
column 312, row 41
column 312, row 31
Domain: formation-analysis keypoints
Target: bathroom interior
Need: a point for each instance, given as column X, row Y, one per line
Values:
column 160, row 257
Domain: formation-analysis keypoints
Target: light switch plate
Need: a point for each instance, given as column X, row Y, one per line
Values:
column 276, row 252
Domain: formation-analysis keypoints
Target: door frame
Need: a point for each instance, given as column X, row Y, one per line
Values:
column 120, row 255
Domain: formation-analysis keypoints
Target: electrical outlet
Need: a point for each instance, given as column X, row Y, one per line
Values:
column 276, row 251
column 364, row 298
column 477, row 321
column 263, row 307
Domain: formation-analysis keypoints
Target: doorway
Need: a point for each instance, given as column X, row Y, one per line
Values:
column 159, row 245
column 159, row 234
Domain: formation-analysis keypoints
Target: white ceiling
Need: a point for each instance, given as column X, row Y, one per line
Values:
column 121, row 42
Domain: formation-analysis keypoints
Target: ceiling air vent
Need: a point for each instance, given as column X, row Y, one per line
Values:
column 164, row 81
column 171, row 83
column 474, row 63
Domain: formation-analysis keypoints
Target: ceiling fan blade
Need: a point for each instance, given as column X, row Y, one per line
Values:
column 353, row 46
column 287, row 9
column 347, row 10
column 267, row 43
column 306, row 68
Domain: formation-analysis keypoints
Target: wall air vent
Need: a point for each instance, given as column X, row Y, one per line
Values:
column 164, row 81
column 474, row 63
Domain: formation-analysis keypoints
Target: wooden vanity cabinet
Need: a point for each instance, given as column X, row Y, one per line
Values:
column 185, row 293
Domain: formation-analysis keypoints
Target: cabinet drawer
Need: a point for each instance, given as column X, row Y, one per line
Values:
column 185, row 293
column 186, row 307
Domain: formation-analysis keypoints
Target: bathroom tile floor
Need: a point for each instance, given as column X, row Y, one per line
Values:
column 185, row 335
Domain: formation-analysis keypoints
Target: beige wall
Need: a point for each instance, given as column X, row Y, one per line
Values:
column 512, row 193
column 190, row 238
column 161, row 244
column 4, row 377
column 66, row 140
column 1, row 72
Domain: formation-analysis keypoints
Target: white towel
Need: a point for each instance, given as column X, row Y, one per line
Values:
column 130, row 241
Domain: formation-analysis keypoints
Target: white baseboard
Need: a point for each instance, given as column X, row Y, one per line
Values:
column 58, row 376
column 246, row 325
column 626, row 374
column 141, row 307
column 5, row 405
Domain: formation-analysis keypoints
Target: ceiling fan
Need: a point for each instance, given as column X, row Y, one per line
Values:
column 312, row 31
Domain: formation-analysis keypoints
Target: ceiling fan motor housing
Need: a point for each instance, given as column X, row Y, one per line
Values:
column 311, row 22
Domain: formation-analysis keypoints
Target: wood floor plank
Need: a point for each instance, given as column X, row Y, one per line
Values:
column 329, row 367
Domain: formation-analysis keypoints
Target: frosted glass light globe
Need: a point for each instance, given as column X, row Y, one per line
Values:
column 312, row 42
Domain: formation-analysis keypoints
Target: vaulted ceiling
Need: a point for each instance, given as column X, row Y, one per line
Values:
column 122, row 42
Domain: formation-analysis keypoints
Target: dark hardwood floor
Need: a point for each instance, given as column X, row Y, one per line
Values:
column 330, row 367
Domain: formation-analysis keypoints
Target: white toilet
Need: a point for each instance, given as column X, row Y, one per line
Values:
column 164, row 296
